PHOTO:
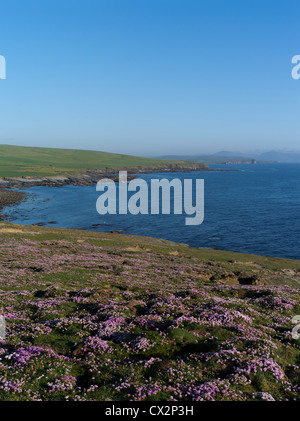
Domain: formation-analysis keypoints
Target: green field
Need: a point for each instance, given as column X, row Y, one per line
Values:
column 17, row 161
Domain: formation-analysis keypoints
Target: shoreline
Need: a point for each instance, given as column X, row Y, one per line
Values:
column 7, row 227
column 10, row 198
column 90, row 177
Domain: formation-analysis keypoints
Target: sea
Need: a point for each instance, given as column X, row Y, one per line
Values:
column 247, row 208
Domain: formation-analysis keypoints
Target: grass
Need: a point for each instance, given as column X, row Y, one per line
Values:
column 99, row 316
column 18, row 161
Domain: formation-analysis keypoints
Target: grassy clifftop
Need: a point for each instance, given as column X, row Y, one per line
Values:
column 98, row 316
column 16, row 161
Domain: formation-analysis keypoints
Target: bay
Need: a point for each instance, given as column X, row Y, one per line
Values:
column 253, row 210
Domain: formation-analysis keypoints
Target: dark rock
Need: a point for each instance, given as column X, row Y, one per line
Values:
column 251, row 280
column 36, row 269
column 48, row 293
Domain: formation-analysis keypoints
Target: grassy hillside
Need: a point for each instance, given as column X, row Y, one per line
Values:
column 99, row 316
column 16, row 161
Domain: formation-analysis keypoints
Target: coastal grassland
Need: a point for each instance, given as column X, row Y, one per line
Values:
column 99, row 316
column 22, row 161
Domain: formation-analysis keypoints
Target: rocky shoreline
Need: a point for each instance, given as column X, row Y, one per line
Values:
column 10, row 197
column 93, row 176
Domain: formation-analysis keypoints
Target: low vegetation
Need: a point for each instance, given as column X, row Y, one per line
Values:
column 97, row 316
column 22, row 161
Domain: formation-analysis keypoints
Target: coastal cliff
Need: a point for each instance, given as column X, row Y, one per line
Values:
column 89, row 177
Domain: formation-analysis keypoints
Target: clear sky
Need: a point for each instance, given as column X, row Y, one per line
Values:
column 150, row 77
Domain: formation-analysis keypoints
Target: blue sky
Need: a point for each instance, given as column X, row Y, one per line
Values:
column 150, row 77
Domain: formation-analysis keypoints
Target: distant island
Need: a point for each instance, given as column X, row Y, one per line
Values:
column 239, row 158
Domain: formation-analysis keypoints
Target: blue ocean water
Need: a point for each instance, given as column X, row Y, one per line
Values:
column 253, row 210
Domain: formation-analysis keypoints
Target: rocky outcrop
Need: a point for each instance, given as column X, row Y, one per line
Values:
column 10, row 197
